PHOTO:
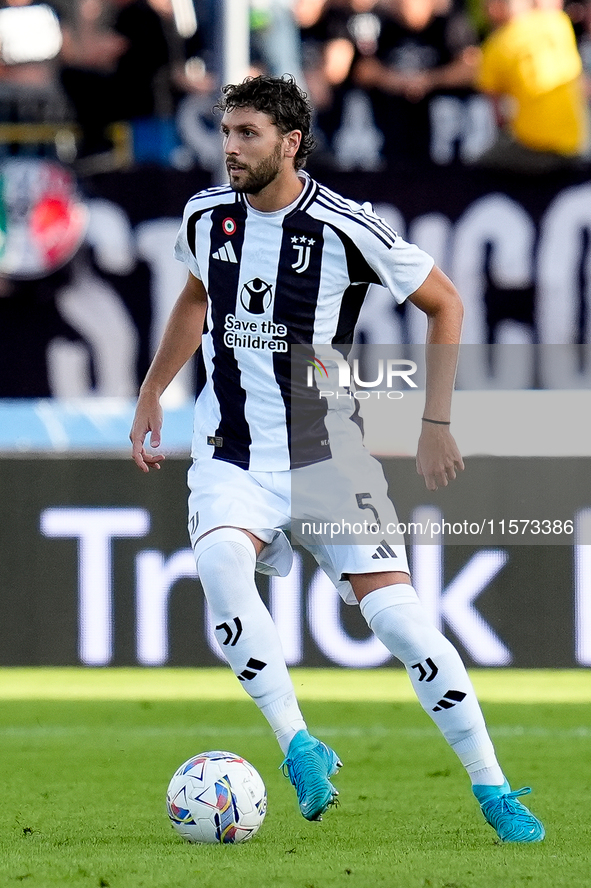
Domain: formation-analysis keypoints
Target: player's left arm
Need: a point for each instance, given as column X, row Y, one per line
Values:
column 438, row 457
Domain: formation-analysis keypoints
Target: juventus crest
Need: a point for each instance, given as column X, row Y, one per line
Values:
column 303, row 246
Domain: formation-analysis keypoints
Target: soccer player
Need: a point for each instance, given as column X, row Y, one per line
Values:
column 275, row 261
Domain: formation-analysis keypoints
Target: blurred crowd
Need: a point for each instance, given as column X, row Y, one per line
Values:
column 497, row 83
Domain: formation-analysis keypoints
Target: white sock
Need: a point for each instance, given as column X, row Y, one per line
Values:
column 438, row 676
column 245, row 631
column 477, row 755
column 285, row 718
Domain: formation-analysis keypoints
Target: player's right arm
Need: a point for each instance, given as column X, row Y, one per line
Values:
column 181, row 338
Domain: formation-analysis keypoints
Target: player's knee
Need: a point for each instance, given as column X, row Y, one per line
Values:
column 222, row 557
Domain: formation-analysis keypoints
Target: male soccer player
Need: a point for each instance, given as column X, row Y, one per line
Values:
column 276, row 260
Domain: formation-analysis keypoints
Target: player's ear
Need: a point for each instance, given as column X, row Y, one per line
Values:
column 291, row 142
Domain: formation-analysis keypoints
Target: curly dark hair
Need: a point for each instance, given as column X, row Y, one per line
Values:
column 281, row 99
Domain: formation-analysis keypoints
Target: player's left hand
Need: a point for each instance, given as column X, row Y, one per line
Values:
column 438, row 457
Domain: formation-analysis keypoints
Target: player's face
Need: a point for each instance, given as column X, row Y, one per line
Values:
column 254, row 149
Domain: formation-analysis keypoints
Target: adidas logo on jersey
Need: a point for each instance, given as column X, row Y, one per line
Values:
column 225, row 253
column 384, row 551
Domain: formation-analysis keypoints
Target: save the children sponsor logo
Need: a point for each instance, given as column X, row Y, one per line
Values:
column 256, row 296
column 263, row 335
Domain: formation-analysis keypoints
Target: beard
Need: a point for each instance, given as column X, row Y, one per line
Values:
column 261, row 175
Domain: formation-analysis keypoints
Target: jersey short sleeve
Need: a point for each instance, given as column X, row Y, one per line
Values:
column 375, row 253
column 400, row 266
column 403, row 269
column 182, row 251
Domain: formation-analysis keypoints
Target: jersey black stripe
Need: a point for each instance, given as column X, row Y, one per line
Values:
column 352, row 302
column 200, row 372
column 233, row 428
column 305, row 411
column 353, row 299
column 361, row 275
column 358, row 268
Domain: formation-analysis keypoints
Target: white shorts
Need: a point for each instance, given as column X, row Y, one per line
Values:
column 336, row 515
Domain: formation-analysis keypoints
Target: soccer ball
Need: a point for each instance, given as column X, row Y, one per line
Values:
column 216, row 797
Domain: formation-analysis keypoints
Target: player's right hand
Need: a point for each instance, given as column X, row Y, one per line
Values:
column 148, row 418
column 438, row 457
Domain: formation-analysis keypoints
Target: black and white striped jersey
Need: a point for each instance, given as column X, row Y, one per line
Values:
column 297, row 276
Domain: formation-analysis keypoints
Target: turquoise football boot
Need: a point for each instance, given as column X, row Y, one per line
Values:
column 309, row 763
column 502, row 810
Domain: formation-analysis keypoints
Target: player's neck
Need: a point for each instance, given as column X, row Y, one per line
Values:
column 280, row 193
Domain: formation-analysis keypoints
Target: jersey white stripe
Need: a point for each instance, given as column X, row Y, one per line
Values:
column 327, row 310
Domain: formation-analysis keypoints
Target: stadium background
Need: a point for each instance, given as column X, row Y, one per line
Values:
column 94, row 563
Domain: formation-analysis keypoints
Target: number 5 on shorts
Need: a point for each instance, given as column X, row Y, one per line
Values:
column 360, row 497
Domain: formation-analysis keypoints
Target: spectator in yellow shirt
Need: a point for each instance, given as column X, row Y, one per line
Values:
column 531, row 67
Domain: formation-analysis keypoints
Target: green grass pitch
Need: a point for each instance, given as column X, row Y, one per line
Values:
column 87, row 756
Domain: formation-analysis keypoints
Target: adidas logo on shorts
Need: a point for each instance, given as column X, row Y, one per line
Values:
column 384, row 551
